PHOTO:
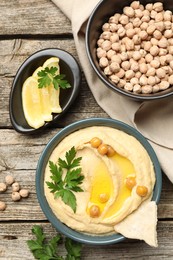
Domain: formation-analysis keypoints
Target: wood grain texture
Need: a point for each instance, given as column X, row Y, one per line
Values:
column 27, row 26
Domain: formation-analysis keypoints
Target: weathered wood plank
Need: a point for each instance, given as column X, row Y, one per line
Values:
column 32, row 17
column 13, row 237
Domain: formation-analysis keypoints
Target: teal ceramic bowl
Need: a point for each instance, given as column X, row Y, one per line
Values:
column 44, row 158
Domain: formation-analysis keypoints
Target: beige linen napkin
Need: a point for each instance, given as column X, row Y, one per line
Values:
column 153, row 119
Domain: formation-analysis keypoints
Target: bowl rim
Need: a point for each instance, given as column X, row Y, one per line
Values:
column 107, row 83
column 43, row 160
column 74, row 67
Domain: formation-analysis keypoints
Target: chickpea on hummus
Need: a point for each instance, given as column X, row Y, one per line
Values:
column 118, row 177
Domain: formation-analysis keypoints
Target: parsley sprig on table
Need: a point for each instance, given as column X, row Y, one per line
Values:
column 64, row 186
column 49, row 76
column 48, row 250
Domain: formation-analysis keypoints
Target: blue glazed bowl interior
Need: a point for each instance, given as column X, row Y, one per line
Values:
column 81, row 237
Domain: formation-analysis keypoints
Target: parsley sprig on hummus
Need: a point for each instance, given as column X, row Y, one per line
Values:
column 66, row 177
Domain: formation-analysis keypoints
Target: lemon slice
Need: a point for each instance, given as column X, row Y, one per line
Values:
column 32, row 103
column 45, row 98
column 54, row 93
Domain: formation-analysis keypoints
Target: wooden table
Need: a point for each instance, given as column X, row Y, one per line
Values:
column 25, row 27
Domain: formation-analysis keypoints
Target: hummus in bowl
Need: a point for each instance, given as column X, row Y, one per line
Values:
column 115, row 184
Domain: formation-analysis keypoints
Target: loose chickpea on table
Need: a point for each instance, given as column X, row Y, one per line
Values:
column 135, row 49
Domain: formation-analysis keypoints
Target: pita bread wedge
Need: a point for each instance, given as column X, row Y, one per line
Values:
column 141, row 224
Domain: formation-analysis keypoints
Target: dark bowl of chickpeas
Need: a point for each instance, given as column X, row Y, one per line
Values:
column 55, row 210
column 130, row 47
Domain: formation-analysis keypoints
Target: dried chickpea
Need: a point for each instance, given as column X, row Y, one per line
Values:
column 143, row 80
column 114, row 38
column 137, row 89
column 136, row 55
column 129, row 11
column 160, row 26
column 134, row 81
column 116, row 58
column 164, row 85
column 160, row 73
column 128, row 86
column 143, row 35
column 142, row 191
column 125, row 65
column 170, row 80
column 138, row 13
column 159, row 17
column 163, row 43
column 151, row 72
column 130, row 32
column 120, row 74
column 154, row 50
column 153, row 14
column 116, row 46
column 103, row 62
column 106, row 45
column 121, row 32
column 121, row 83
column 143, row 68
column 106, row 35
column 124, row 19
column 114, row 67
column 129, row 74
column 147, row 45
column 99, row 42
column 137, row 22
column 156, row 88
column 24, row 193
column 154, row 41
column 155, row 64
column 136, row 39
column 106, row 27
column 2, row 206
column 168, row 25
column 101, row 53
column 167, row 15
column 15, row 196
column 15, row 186
column 148, row 58
column 3, row 187
column 158, row 7
column 113, row 28
column 134, row 66
column 135, row 4
column 168, row 34
column 149, row 7
column 157, row 34
column 109, row 54
column 151, row 28
column 94, row 211
column 9, row 179
column 107, row 71
column 144, row 26
column 145, row 18
column 151, row 80
column 146, row 89
column 95, row 142
column 114, row 78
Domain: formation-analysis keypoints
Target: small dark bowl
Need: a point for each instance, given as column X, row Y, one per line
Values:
column 68, row 66
column 44, row 158
column 100, row 15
